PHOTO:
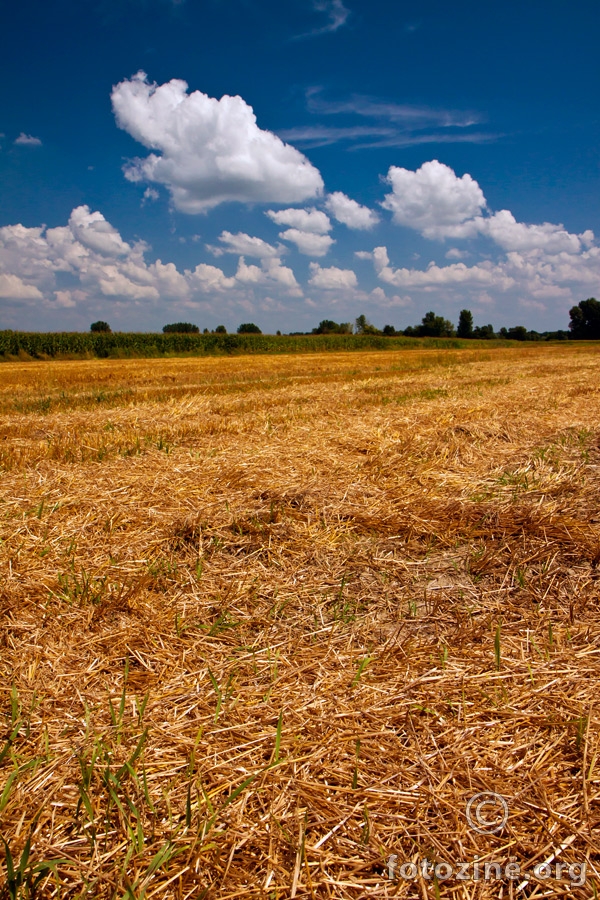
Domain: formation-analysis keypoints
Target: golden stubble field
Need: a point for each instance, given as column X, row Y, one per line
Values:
column 268, row 622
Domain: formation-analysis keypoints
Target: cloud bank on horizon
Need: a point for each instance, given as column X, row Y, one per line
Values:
column 207, row 153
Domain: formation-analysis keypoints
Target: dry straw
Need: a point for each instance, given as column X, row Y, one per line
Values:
column 266, row 623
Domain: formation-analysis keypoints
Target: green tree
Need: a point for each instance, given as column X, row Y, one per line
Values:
column 328, row 326
column 360, row 324
column 585, row 320
column 220, row 329
column 100, row 328
column 363, row 326
column 249, row 328
column 484, row 332
column 518, row 333
column 181, row 328
column 435, row 326
column 389, row 330
column 465, row 324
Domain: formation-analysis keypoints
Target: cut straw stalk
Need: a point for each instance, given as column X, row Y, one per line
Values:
column 440, row 515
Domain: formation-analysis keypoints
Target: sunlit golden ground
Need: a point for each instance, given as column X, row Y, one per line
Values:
column 267, row 621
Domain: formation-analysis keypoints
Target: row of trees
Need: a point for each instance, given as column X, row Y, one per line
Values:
column 584, row 325
column 188, row 328
column 183, row 328
column 433, row 325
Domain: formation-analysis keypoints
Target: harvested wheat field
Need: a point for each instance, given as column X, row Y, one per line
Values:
column 268, row 624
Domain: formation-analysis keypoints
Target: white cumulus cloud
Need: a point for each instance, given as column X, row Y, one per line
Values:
column 208, row 151
column 93, row 231
column 115, row 283
column 245, row 245
column 332, row 278
column 209, row 278
column 87, row 261
column 311, row 220
column 532, row 275
column 509, row 234
column 308, row 229
column 434, row 200
column 439, row 204
column 270, row 273
column 14, row 288
column 307, row 242
column 351, row 213
column 65, row 299
column 485, row 273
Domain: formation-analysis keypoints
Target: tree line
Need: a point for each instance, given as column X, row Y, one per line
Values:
column 432, row 325
column 183, row 328
column 584, row 325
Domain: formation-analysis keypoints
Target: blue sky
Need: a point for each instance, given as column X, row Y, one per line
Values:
column 221, row 161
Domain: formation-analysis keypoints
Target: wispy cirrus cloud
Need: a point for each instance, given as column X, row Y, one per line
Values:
column 473, row 137
column 323, row 135
column 336, row 12
column 391, row 124
column 311, row 136
column 372, row 107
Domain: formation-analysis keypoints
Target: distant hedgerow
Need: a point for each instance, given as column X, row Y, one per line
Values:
column 181, row 328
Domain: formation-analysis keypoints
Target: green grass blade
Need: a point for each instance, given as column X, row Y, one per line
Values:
column 361, row 667
column 10, row 867
column 5, row 796
column 241, row 787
